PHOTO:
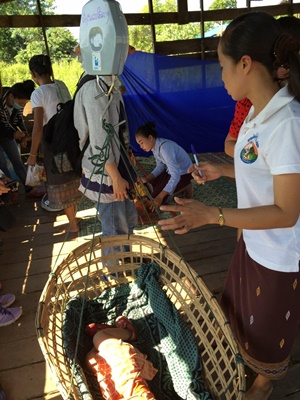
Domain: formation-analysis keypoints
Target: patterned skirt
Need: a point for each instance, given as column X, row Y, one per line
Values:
column 262, row 307
column 64, row 195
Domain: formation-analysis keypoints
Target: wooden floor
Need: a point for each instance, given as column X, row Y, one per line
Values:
column 27, row 255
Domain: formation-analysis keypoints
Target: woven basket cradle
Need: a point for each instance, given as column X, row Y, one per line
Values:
column 222, row 365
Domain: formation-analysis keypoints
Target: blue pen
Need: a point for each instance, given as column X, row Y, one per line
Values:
column 196, row 159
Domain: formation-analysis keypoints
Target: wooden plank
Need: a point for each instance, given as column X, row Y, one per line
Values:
column 29, row 382
column 23, row 328
column 289, row 387
column 183, row 15
column 211, row 265
column 203, row 234
column 37, row 252
column 28, row 347
column 187, row 46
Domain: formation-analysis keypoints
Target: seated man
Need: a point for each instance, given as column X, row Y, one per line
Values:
column 121, row 369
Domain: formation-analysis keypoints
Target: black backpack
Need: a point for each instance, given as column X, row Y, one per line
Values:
column 62, row 137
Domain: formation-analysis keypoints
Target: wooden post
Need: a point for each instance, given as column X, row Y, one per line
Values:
column 183, row 14
column 44, row 31
column 153, row 34
column 202, row 30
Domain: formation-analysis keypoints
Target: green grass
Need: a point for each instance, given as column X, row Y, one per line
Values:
column 67, row 71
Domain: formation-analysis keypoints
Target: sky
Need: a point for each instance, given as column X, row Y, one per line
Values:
column 128, row 6
column 133, row 6
column 75, row 7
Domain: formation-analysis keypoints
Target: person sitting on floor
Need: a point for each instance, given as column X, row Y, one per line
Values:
column 172, row 162
column 12, row 128
column 121, row 369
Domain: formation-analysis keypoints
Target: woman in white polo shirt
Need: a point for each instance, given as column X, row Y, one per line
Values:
column 262, row 291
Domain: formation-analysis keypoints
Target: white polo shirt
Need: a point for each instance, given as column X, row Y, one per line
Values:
column 269, row 145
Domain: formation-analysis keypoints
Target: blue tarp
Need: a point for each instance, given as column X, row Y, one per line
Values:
column 186, row 99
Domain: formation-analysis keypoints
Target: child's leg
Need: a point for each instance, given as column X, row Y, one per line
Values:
column 111, row 333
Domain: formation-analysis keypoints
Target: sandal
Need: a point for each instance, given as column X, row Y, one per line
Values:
column 92, row 329
column 123, row 322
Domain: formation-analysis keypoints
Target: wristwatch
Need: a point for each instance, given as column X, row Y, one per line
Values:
column 221, row 219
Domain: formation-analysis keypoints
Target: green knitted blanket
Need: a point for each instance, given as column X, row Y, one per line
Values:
column 162, row 335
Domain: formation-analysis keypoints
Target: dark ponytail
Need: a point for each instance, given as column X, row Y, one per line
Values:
column 22, row 90
column 260, row 36
column 41, row 64
column 252, row 34
column 286, row 51
column 146, row 130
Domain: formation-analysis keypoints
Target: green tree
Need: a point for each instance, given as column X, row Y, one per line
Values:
column 219, row 5
column 60, row 42
column 19, row 44
column 141, row 38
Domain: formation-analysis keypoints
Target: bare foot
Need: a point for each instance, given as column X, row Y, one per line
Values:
column 72, row 227
column 259, row 390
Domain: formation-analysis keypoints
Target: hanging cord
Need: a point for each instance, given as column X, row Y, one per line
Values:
column 99, row 160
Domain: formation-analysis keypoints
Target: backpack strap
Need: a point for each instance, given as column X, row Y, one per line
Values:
column 82, row 80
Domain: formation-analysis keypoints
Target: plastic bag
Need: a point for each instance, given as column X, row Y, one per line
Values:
column 35, row 175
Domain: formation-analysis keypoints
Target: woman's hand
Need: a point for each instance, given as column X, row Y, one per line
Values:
column 3, row 188
column 31, row 160
column 142, row 179
column 209, row 171
column 157, row 201
column 120, row 187
column 24, row 141
column 192, row 214
column 18, row 135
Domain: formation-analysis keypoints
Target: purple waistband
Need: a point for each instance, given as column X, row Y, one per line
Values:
column 95, row 186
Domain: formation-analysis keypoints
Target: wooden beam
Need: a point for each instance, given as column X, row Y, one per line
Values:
column 71, row 20
column 182, row 7
column 153, row 33
column 187, row 46
column 33, row 21
column 43, row 29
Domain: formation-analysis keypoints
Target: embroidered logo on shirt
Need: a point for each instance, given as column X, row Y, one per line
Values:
column 249, row 153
